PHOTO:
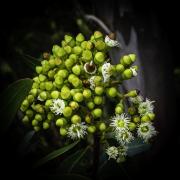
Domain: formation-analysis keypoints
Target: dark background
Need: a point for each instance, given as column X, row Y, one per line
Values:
column 30, row 26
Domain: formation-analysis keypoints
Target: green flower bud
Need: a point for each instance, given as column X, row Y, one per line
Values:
column 39, row 69
column 100, row 69
column 118, row 110
column 84, row 44
column 58, row 51
column 36, row 79
column 151, row 116
column 99, row 90
column 98, row 35
column 87, row 55
column 97, row 80
column 71, row 77
column 29, row 113
column 75, row 119
column 97, row 113
column 48, row 85
column 33, row 92
column 35, row 85
column 42, row 86
column 63, row 131
column 76, row 70
column 39, row 108
column 98, row 100
column 90, row 105
column 80, row 37
column 77, row 50
column 132, row 93
column 50, row 116
column 30, row 98
column 127, row 74
column 42, row 77
column 55, row 94
column 52, row 63
column 78, row 97
column 57, row 61
column 100, row 45
column 38, row 117
column 59, row 80
column 102, row 126
column 74, row 105
column 25, row 120
column 34, row 122
column 61, row 122
column 69, row 63
column 68, row 38
column 76, row 82
column 48, row 102
column 87, row 93
column 119, row 68
column 36, row 128
column 91, row 129
column 68, row 49
column 74, row 91
column 65, row 92
column 67, row 112
column 89, row 45
column 112, row 92
column 132, row 110
column 51, row 74
column 133, row 57
column 63, row 73
column 145, row 118
column 43, row 95
column 99, row 58
column 88, row 118
column 45, row 125
column 136, row 119
column 132, row 126
column 25, row 103
column 126, row 61
column 73, row 57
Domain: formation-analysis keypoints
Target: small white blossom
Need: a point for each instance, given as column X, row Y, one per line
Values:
column 136, row 100
column 92, row 83
column 133, row 71
column 106, row 71
column 146, row 131
column 112, row 152
column 110, row 42
column 88, row 71
column 77, row 131
column 57, row 106
column 124, row 137
column 146, row 107
column 120, row 122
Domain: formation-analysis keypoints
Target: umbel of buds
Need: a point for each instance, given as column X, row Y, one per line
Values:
column 71, row 88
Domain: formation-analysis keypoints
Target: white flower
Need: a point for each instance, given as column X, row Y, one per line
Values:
column 146, row 131
column 112, row 152
column 90, row 68
column 57, row 106
column 106, row 71
column 133, row 71
column 110, row 42
column 136, row 100
column 77, row 131
column 120, row 122
column 92, row 83
column 124, row 137
column 146, row 107
column 122, row 150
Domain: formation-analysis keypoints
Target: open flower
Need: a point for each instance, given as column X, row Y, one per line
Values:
column 106, row 71
column 90, row 68
column 110, row 42
column 136, row 100
column 120, row 122
column 146, row 107
column 112, row 152
column 134, row 72
column 146, row 131
column 124, row 137
column 77, row 131
column 57, row 106
column 92, row 83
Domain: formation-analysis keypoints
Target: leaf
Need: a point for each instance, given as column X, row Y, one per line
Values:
column 55, row 154
column 11, row 100
column 137, row 146
column 77, row 157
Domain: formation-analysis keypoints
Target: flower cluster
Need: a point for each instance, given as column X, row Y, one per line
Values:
column 71, row 88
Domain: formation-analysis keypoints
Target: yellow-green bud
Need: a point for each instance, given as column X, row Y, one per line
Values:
column 75, row 119
column 99, row 58
column 119, row 68
column 136, row 119
column 65, row 92
column 126, row 60
column 43, row 95
column 34, row 122
column 100, row 45
column 62, row 73
column 87, row 55
column 102, row 126
column 48, row 103
column 91, row 129
column 45, row 125
column 34, row 92
column 77, row 50
column 97, row 113
column 36, row 128
column 69, row 63
column 51, row 74
column 78, row 97
column 74, row 105
column 127, row 74
column 38, row 117
column 99, row 90
column 98, row 100
column 118, row 110
column 80, row 37
column 68, row 49
column 25, row 119
column 50, row 116
column 67, row 112
column 30, row 98
column 112, row 92
column 63, row 131
column 48, row 85
column 29, row 113
column 90, row 105
column 58, row 51
column 98, row 35
column 145, row 118
column 42, row 86
column 55, row 94
column 87, row 93
column 42, row 77
column 133, row 57
column 61, row 122
column 132, row 93
column 151, row 116
column 132, row 126
column 76, row 70
column 132, row 110
column 39, row 69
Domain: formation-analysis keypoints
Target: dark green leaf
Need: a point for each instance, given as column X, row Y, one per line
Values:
column 55, row 154
column 11, row 100
column 137, row 146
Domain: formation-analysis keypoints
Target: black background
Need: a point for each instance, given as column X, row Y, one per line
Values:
column 16, row 16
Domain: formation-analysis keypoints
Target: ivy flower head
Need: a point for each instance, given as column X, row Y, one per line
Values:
column 106, row 71
column 112, row 152
column 77, row 131
column 146, row 107
column 120, row 122
column 110, row 42
column 124, row 137
column 146, row 131
column 57, row 106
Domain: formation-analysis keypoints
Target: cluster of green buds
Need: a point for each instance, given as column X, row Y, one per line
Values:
column 71, row 89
